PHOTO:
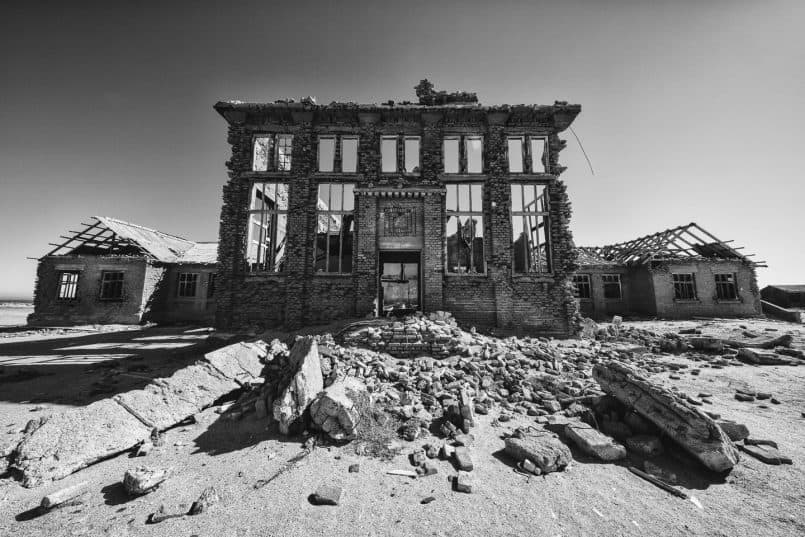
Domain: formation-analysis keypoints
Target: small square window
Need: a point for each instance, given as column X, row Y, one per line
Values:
column 583, row 288
column 388, row 154
column 684, row 286
column 725, row 287
column 349, row 154
column 111, row 285
column 326, row 153
column 612, row 286
column 450, row 156
column 515, row 147
column 187, row 283
column 68, row 285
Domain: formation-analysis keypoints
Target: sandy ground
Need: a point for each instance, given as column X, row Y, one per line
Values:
column 592, row 498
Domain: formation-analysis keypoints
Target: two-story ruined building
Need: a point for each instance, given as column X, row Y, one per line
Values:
column 342, row 210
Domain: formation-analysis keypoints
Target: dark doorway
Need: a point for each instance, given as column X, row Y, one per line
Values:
column 400, row 290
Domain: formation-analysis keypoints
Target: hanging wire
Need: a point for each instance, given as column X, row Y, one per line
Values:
column 590, row 164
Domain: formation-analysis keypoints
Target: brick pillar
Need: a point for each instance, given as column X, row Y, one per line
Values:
column 433, row 253
column 498, row 228
column 564, row 256
column 365, row 265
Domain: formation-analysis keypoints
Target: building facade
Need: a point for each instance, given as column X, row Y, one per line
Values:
column 678, row 273
column 115, row 272
column 347, row 210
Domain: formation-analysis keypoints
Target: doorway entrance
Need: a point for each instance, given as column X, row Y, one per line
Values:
column 399, row 290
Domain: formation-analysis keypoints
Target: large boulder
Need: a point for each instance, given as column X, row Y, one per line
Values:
column 305, row 385
column 542, row 448
column 334, row 411
column 691, row 428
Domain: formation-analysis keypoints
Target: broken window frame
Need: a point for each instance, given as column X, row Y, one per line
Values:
column 684, row 286
column 608, row 280
column 187, row 284
column 522, row 139
column 67, row 288
column 329, row 213
column 269, row 221
column 274, row 160
column 472, row 212
column 532, row 254
column 462, row 163
column 339, row 150
column 416, row 170
column 726, row 291
column 582, row 282
column 111, row 285
column 399, row 157
column 538, row 161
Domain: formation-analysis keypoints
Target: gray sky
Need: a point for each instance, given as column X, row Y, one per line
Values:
column 692, row 110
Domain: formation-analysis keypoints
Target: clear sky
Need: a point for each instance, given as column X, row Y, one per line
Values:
column 692, row 110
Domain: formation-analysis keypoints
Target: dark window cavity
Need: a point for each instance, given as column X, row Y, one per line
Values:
column 725, row 287
column 272, row 152
column 335, row 228
column 612, row 286
column 583, row 287
column 111, row 285
column 684, row 286
column 187, row 283
column 211, row 285
column 465, row 228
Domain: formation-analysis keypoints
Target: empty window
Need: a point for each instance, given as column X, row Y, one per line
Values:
column 187, row 283
column 451, row 156
column 411, row 149
column 725, row 287
column 530, row 228
column 515, row 150
column 349, row 154
column 68, row 285
column 539, row 149
column 111, row 285
column 211, row 285
column 583, row 287
column 335, row 228
column 326, row 153
column 465, row 228
column 388, row 154
column 684, row 286
column 268, row 220
column 272, row 152
column 612, row 286
column 474, row 147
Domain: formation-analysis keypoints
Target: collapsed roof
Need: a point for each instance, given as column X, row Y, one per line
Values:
column 680, row 243
column 110, row 236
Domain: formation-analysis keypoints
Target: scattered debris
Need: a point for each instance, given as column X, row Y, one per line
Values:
column 659, row 483
column 404, row 473
column 354, row 468
column 142, row 480
column 735, row 431
column 427, row 500
column 327, row 495
column 765, row 453
column 209, row 498
column 594, row 442
column 334, row 410
column 62, row 496
column 463, row 482
column 543, row 448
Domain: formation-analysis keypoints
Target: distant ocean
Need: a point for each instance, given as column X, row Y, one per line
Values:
column 14, row 312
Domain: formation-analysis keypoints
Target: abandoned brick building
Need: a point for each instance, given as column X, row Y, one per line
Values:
column 676, row 273
column 117, row 272
column 343, row 210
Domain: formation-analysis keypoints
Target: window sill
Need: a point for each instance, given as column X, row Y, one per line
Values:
column 251, row 174
column 333, row 274
column 401, row 174
column 687, row 300
column 522, row 176
column 466, row 275
column 339, row 175
column 266, row 275
column 463, row 176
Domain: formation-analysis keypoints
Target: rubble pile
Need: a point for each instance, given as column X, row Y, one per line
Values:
column 435, row 334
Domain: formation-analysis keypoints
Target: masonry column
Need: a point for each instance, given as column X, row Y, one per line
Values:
column 365, row 270
column 301, row 218
column 433, row 208
column 499, row 262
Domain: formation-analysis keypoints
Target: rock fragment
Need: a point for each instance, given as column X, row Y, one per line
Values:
column 334, row 410
column 646, row 445
column 735, row 431
column 62, row 496
column 766, row 454
column 327, row 495
column 209, row 498
column 594, row 442
column 542, row 448
column 463, row 482
column 303, row 388
column 463, row 459
column 142, row 480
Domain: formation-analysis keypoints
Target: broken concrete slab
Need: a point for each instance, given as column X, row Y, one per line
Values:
column 735, row 431
column 463, row 482
column 463, row 459
column 594, row 442
column 334, row 410
column 706, row 344
column 327, row 495
column 761, row 357
column 304, row 386
column 71, row 440
column 542, row 448
column 68, row 441
column 241, row 362
column 688, row 426
column 765, row 453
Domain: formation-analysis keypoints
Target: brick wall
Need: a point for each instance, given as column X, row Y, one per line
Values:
column 541, row 303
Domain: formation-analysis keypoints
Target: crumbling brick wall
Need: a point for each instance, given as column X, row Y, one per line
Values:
column 530, row 302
